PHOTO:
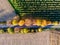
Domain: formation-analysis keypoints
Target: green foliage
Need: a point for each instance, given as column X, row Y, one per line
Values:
column 37, row 8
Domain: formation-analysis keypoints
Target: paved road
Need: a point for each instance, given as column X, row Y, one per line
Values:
column 6, row 10
column 41, row 38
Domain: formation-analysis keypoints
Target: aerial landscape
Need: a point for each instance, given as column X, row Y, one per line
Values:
column 29, row 22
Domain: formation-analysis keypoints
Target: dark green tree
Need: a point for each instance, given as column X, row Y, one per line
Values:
column 43, row 9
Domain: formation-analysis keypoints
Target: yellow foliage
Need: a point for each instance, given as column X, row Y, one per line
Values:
column 55, row 23
column 14, row 22
column 21, row 22
column 9, row 30
column 44, row 23
column 32, row 30
column 38, row 22
column 39, row 30
column 11, row 33
column 1, row 31
column 24, row 31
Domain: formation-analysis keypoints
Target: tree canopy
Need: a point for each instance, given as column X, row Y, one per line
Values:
column 43, row 9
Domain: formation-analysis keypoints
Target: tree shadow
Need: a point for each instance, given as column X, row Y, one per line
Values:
column 7, row 15
column 2, row 10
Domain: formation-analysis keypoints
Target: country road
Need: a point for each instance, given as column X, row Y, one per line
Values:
column 39, row 38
